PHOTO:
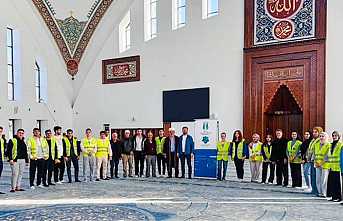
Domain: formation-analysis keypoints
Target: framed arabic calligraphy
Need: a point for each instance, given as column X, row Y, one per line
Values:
column 277, row 21
column 119, row 70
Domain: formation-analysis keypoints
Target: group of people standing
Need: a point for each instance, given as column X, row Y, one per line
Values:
column 47, row 156
column 322, row 160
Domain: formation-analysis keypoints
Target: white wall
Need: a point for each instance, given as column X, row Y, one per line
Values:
column 35, row 42
column 334, row 73
column 204, row 53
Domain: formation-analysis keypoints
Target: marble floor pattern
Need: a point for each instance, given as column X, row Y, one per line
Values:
column 163, row 199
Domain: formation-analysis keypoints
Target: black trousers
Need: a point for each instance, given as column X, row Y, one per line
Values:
column 114, row 167
column 139, row 163
column 239, row 164
column 281, row 172
column 296, row 174
column 161, row 164
column 49, row 169
column 75, row 162
column 38, row 166
column 59, row 170
column 183, row 159
column 1, row 166
column 334, row 185
column 265, row 166
column 173, row 162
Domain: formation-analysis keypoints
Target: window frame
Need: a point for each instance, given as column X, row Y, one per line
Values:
column 178, row 8
column 38, row 83
column 207, row 13
column 153, row 19
column 10, row 82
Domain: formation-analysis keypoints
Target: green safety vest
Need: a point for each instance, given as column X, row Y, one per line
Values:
column 240, row 150
column 332, row 160
column 223, row 150
column 256, row 152
column 2, row 147
column 53, row 145
column 311, row 146
column 267, row 152
column 159, row 144
column 14, row 148
column 102, row 148
column 295, row 151
column 33, row 148
column 318, row 153
column 68, row 146
column 89, row 145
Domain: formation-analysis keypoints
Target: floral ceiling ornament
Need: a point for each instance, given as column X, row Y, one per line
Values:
column 71, row 35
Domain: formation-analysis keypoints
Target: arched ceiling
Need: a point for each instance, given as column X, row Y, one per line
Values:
column 72, row 24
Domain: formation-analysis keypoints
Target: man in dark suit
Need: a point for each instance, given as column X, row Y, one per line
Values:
column 171, row 146
column 185, row 152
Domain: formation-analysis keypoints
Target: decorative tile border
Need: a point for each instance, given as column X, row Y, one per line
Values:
column 72, row 60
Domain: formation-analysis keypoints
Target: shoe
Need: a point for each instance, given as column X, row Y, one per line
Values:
column 130, row 176
column 299, row 188
column 19, row 189
column 51, row 184
column 69, row 181
column 107, row 178
column 270, row 183
column 59, row 182
column 45, row 185
column 117, row 177
column 2, row 193
column 97, row 180
column 329, row 199
column 136, row 176
column 12, row 191
column 77, row 181
column 41, row 186
column 32, row 187
column 336, row 200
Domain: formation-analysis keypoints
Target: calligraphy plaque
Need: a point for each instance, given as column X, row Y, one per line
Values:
column 279, row 21
column 119, row 70
column 287, row 73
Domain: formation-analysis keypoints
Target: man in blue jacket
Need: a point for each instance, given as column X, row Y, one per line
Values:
column 186, row 149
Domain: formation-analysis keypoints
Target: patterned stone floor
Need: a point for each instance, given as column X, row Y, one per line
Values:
column 163, row 199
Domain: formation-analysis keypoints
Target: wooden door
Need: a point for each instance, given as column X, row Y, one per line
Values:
column 283, row 113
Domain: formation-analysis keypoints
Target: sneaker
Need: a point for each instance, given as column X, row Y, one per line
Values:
column 77, row 181
column 270, row 183
column 32, row 187
column 2, row 193
column 336, row 200
column 97, row 180
column 299, row 188
column 41, row 186
column 136, row 176
column 12, row 191
column 51, row 184
column 59, row 182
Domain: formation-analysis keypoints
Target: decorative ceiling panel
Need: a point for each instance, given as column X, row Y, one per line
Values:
column 73, row 33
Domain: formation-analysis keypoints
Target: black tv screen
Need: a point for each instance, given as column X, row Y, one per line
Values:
column 186, row 105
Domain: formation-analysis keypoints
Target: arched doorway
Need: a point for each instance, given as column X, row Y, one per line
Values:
column 283, row 112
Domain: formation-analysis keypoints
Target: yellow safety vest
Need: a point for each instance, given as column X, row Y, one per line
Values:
column 102, row 148
column 311, row 146
column 294, row 151
column 53, row 145
column 223, row 150
column 2, row 146
column 267, row 152
column 159, row 144
column 33, row 148
column 89, row 145
column 333, row 160
column 240, row 150
column 256, row 152
column 318, row 153
column 68, row 146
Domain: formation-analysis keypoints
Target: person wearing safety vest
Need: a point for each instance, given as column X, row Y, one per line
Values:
column 322, row 171
column 255, row 157
column 50, row 142
column 239, row 152
column 295, row 159
column 88, row 148
column 310, row 158
column 222, row 156
column 266, row 153
column 161, row 157
column 332, row 160
column 71, row 154
column 38, row 153
column 103, row 151
column 2, row 152
column 18, row 158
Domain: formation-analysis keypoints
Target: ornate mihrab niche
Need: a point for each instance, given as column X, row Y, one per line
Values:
column 70, row 34
column 283, row 20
